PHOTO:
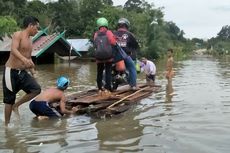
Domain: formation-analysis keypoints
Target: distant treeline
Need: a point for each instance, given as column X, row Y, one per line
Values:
column 78, row 18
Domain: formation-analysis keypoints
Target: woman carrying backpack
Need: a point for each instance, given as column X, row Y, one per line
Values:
column 104, row 41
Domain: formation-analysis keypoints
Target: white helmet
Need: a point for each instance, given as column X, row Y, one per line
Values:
column 124, row 21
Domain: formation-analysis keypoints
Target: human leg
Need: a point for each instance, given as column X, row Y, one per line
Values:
column 150, row 80
column 7, row 113
column 24, row 99
column 129, row 64
column 30, row 86
column 170, row 88
column 43, row 108
column 108, row 69
column 9, row 92
column 100, row 69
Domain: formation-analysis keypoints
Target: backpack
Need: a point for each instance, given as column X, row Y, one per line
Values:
column 103, row 48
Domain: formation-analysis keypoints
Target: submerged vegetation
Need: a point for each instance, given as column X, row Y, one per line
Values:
column 78, row 18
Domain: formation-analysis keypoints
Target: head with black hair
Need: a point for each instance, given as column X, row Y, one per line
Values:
column 170, row 52
column 30, row 20
column 32, row 24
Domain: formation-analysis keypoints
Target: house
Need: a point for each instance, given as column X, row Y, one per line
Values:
column 81, row 45
column 45, row 47
column 5, row 49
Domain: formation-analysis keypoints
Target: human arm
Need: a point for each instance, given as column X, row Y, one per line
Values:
column 63, row 107
column 15, row 51
column 33, row 72
column 111, row 37
column 133, row 41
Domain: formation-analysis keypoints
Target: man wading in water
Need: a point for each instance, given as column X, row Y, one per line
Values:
column 15, row 76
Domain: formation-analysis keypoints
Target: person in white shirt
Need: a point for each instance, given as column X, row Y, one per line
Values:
column 149, row 68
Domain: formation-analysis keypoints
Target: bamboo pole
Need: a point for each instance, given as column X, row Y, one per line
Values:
column 119, row 101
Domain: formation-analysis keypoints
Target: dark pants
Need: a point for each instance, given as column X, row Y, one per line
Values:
column 150, row 77
column 100, row 69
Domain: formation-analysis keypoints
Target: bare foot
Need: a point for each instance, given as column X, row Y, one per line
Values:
column 15, row 109
column 172, row 94
column 42, row 118
column 75, row 109
column 100, row 92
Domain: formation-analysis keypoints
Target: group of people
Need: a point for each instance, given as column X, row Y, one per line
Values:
column 124, row 46
column 111, row 47
column 19, row 75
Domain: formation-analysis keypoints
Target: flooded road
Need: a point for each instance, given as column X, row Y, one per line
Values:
column 195, row 119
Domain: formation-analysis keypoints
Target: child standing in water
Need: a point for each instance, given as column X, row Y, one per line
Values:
column 169, row 71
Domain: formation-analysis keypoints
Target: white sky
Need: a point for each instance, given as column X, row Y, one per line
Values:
column 197, row 18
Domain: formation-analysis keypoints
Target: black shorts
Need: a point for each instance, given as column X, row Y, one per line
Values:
column 15, row 80
column 150, row 77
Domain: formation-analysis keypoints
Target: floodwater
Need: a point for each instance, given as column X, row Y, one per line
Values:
column 195, row 119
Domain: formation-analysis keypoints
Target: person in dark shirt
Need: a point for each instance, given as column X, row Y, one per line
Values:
column 127, row 41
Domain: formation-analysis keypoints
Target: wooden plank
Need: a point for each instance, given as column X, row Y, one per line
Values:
column 92, row 97
column 124, row 98
column 119, row 101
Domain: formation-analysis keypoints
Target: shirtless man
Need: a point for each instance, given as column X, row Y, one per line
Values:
column 52, row 101
column 15, row 76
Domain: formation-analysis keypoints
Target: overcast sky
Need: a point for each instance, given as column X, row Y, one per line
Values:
column 197, row 18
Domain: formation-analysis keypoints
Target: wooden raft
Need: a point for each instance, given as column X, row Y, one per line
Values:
column 96, row 105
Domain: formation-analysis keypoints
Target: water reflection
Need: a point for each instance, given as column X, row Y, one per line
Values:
column 47, row 132
column 13, row 141
column 120, row 134
column 80, row 74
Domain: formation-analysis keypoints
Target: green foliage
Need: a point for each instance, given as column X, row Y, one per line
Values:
column 224, row 33
column 221, row 44
column 38, row 9
column 133, row 5
column 108, row 2
column 78, row 18
column 7, row 26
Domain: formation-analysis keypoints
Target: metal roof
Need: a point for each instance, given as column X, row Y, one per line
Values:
column 43, row 42
column 81, row 45
column 5, row 45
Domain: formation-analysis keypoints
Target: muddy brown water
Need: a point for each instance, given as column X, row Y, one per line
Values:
column 195, row 119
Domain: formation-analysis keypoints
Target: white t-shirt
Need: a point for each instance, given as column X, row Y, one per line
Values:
column 149, row 68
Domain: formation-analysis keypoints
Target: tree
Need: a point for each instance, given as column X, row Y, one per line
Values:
column 89, row 12
column 108, row 2
column 7, row 26
column 224, row 33
column 64, row 15
column 40, row 10
column 133, row 5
